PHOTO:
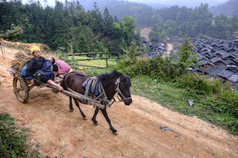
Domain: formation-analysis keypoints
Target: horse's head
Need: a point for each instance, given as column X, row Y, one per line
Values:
column 123, row 85
column 116, row 82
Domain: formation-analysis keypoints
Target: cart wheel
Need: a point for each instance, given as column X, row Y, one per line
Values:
column 20, row 89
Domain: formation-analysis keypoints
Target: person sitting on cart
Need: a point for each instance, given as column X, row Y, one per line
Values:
column 63, row 67
column 46, row 74
column 35, row 63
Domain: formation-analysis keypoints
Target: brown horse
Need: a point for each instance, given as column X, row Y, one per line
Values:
column 112, row 83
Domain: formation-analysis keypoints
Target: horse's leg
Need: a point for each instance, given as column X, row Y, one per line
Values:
column 104, row 112
column 94, row 116
column 71, row 109
column 77, row 104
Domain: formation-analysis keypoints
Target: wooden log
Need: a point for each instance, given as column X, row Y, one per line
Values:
column 98, row 58
column 91, row 53
column 79, row 96
column 91, row 66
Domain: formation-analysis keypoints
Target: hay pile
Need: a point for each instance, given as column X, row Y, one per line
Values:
column 21, row 59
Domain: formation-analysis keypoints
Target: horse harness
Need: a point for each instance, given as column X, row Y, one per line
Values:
column 99, row 92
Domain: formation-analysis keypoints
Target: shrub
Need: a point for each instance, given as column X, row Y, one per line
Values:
column 13, row 139
column 199, row 83
column 13, row 33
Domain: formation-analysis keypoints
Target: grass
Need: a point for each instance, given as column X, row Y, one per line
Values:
column 13, row 140
column 99, row 62
column 213, row 102
column 164, row 94
column 211, row 108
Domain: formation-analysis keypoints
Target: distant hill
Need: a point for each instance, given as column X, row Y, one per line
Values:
column 142, row 13
column 229, row 8
column 181, row 3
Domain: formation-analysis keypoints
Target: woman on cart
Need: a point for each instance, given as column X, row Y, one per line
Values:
column 41, row 69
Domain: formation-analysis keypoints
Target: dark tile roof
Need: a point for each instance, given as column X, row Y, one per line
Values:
column 198, row 70
column 235, row 54
column 233, row 78
column 218, row 69
column 232, row 68
column 209, row 69
column 236, row 61
column 225, row 73
column 228, row 56
column 219, row 52
column 229, row 62
column 202, row 62
column 216, row 59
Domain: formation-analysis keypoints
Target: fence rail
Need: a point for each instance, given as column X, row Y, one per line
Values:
column 98, row 58
column 93, row 53
column 90, row 53
column 101, row 67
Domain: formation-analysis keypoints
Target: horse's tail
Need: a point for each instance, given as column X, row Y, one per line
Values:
column 63, row 83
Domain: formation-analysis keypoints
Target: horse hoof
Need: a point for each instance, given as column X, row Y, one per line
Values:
column 85, row 118
column 95, row 124
column 71, row 110
column 115, row 133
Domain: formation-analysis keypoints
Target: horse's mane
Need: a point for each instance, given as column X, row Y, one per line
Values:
column 107, row 76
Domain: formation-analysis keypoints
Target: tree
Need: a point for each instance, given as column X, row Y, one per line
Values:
column 157, row 33
column 13, row 33
column 108, row 22
column 186, row 56
column 128, row 25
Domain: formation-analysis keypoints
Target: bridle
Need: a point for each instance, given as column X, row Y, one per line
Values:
column 118, row 91
column 119, row 95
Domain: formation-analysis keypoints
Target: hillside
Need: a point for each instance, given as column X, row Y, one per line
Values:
column 57, row 132
column 229, row 8
column 141, row 12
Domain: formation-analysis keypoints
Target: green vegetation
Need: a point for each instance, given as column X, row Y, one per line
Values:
column 219, row 107
column 181, row 21
column 212, row 102
column 164, row 80
column 67, row 26
column 13, row 140
column 167, row 82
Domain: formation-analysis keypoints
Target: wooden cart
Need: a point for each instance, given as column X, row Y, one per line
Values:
column 21, row 90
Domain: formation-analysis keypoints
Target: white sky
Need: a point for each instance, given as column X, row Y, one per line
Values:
column 52, row 2
column 49, row 2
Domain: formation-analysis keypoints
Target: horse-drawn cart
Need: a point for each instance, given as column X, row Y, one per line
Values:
column 21, row 90
column 105, row 86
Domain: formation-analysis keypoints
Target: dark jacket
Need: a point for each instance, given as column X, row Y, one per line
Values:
column 46, row 69
column 34, row 65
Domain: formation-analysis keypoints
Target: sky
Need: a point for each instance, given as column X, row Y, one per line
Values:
column 50, row 2
column 164, row 2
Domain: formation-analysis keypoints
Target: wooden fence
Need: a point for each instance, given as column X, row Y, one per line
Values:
column 93, row 53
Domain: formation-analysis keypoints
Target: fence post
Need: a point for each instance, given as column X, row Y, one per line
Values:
column 106, row 59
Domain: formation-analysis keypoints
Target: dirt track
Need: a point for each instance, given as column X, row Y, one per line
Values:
column 64, row 134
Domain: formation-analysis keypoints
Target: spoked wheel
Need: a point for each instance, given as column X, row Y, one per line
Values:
column 20, row 89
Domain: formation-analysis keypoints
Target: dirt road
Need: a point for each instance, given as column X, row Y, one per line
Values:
column 65, row 134
column 169, row 48
column 145, row 32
